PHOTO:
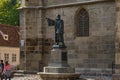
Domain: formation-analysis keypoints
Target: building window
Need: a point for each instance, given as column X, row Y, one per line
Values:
column 13, row 57
column 83, row 23
column 6, row 57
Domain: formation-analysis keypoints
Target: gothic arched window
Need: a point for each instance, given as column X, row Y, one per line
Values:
column 83, row 23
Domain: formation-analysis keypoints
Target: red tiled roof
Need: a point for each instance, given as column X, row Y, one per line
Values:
column 13, row 36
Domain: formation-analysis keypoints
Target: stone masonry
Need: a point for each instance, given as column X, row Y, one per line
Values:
column 117, row 55
column 87, row 54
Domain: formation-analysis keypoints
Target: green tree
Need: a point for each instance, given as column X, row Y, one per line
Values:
column 8, row 12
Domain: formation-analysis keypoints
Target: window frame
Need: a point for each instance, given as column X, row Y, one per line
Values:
column 6, row 56
column 82, row 29
column 14, row 57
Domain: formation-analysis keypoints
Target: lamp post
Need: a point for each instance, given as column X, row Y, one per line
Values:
column 23, row 45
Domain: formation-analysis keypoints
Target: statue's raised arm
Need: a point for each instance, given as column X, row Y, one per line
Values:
column 50, row 22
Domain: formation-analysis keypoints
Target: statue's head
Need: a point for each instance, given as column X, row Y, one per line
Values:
column 58, row 16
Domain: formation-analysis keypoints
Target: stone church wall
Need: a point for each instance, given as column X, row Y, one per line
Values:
column 59, row 2
column 96, row 51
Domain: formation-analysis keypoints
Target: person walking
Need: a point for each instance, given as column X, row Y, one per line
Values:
column 7, row 71
column 1, row 69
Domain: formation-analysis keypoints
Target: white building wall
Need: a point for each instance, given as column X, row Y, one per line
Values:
column 10, row 51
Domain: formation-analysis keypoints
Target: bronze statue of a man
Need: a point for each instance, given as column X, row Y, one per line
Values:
column 59, row 30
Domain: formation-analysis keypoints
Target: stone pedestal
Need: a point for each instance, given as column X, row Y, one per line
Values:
column 58, row 68
column 58, row 58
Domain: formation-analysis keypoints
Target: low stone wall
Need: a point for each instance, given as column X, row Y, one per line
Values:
column 94, row 71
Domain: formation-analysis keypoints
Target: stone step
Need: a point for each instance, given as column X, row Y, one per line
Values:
column 18, row 75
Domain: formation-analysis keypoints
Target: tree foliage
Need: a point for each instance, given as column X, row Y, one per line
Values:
column 8, row 12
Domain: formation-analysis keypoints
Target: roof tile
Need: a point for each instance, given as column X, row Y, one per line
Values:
column 13, row 36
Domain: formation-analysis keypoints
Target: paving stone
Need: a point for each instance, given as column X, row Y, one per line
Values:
column 36, row 77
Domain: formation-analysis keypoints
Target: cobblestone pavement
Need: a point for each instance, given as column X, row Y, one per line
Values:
column 36, row 77
column 27, row 77
column 97, row 77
